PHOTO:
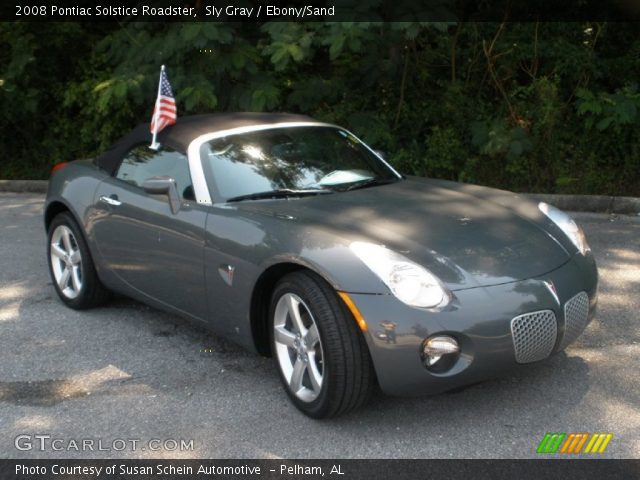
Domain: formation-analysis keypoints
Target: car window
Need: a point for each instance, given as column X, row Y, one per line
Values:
column 142, row 163
column 289, row 158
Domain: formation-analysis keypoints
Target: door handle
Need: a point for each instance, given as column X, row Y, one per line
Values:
column 111, row 200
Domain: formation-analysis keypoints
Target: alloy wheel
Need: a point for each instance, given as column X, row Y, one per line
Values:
column 66, row 261
column 298, row 347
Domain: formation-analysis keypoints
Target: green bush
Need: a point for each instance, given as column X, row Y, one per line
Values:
column 549, row 107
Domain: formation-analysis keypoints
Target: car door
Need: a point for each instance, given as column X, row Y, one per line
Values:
column 149, row 249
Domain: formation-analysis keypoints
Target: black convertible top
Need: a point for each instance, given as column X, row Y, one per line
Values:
column 188, row 128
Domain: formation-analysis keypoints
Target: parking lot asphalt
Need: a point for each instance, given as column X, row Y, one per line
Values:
column 127, row 372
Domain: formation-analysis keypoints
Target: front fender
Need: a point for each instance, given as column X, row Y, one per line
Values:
column 337, row 264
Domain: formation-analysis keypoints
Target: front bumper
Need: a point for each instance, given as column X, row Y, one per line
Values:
column 480, row 319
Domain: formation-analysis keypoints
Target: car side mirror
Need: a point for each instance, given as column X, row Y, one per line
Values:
column 164, row 186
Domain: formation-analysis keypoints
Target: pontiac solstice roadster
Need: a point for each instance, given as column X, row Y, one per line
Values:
column 295, row 239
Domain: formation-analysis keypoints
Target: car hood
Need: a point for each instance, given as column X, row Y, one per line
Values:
column 468, row 236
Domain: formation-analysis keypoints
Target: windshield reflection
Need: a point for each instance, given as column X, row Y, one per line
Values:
column 292, row 158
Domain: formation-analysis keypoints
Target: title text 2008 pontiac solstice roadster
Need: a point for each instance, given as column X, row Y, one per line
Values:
column 296, row 240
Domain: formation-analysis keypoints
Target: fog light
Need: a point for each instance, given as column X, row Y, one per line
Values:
column 437, row 347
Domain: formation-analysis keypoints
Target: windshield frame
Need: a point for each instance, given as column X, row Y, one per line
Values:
column 202, row 185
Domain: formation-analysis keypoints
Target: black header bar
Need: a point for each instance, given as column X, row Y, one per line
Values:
column 262, row 11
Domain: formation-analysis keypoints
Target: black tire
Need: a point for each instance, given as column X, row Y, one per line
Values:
column 91, row 293
column 348, row 378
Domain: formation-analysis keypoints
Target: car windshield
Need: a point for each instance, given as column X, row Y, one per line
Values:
column 290, row 160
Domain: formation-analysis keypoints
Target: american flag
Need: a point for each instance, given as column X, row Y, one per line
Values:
column 164, row 112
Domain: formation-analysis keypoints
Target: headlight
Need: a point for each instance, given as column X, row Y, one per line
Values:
column 408, row 281
column 567, row 225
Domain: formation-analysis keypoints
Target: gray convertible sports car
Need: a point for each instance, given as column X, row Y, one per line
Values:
column 295, row 239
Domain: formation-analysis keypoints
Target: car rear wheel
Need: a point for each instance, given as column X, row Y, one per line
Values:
column 321, row 356
column 71, row 266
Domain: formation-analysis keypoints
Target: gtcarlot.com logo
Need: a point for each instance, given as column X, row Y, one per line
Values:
column 574, row 443
column 45, row 442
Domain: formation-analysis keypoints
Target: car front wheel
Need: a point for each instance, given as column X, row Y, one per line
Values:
column 321, row 355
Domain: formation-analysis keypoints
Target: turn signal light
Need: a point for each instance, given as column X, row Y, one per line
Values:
column 354, row 311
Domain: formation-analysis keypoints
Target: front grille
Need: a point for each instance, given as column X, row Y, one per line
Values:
column 534, row 335
column 576, row 315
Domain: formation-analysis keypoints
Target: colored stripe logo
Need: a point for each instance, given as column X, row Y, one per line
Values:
column 573, row 443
